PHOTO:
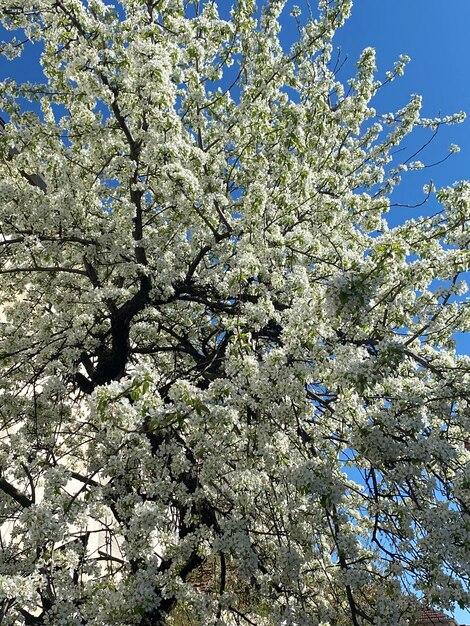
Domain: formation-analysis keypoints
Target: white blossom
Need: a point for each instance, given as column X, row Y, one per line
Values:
column 229, row 388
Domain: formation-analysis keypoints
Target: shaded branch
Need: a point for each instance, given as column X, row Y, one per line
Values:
column 13, row 492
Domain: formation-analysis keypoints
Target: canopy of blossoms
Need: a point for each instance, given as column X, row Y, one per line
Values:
column 229, row 390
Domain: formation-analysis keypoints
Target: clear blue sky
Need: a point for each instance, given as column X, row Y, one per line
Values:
column 435, row 34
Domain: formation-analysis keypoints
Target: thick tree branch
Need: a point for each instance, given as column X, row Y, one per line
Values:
column 13, row 492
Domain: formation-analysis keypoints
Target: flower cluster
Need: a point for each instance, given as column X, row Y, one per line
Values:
column 229, row 390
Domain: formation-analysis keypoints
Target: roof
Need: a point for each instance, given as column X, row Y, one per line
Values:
column 431, row 617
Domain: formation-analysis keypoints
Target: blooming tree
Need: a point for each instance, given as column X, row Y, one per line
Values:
column 229, row 390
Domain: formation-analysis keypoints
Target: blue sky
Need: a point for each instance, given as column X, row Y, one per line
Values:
column 435, row 34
